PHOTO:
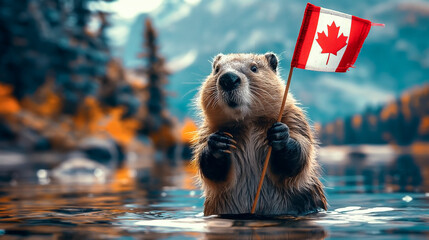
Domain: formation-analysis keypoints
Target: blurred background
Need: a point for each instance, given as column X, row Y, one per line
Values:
column 100, row 91
column 106, row 80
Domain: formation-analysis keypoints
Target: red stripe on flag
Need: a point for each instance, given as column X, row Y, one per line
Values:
column 358, row 32
column 306, row 36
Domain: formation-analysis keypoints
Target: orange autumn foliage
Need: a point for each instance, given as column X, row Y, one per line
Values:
column 390, row 110
column 330, row 128
column 420, row 148
column 357, row 121
column 163, row 138
column 89, row 117
column 123, row 130
column 9, row 105
column 189, row 131
column 405, row 106
column 123, row 180
column 424, row 125
column 190, row 170
column 44, row 103
column 94, row 120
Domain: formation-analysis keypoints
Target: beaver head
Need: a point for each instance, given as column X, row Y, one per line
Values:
column 242, row 86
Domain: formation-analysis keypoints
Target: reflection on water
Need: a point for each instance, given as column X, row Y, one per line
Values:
column 406, row 173
column 370, row 197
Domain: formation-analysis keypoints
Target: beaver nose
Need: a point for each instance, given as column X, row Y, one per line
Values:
column 229, row 81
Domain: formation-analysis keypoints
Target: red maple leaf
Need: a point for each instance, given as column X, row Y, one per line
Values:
column 331, row 43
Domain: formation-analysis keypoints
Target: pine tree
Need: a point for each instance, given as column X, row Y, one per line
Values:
column 157, row 124
column 53, row 62
column 50, row 39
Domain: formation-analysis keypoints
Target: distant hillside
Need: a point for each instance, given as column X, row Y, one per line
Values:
column 392, row 59
column 401, row 122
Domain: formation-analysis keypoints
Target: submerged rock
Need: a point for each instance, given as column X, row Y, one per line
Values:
column 81, row 170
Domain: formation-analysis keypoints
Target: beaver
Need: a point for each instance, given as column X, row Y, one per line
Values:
column 238, row 104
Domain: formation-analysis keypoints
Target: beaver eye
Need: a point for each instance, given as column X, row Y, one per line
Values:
column 254, row 68
column 216, row 69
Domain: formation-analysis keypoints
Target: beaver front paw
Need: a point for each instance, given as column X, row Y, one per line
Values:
column 278, row 136
column 220, row 144
column 286, row 159
column 215, row 159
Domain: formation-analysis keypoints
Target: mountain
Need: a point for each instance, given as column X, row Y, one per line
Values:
column 191, row 33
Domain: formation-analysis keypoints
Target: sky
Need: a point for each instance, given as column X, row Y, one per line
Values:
column 124, row 13
column 128, row 9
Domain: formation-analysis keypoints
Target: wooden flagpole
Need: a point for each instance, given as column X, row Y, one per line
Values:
column 267, row 159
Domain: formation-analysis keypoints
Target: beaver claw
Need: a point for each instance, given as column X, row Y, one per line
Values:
column 215, row 161
column 220, row 144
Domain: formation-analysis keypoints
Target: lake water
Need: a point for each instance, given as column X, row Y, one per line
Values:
column 377, row 199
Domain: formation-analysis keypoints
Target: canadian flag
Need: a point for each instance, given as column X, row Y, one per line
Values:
column 329, row 41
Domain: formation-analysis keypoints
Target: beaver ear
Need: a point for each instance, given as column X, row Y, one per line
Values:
column 272, row 60
column 216, row 59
